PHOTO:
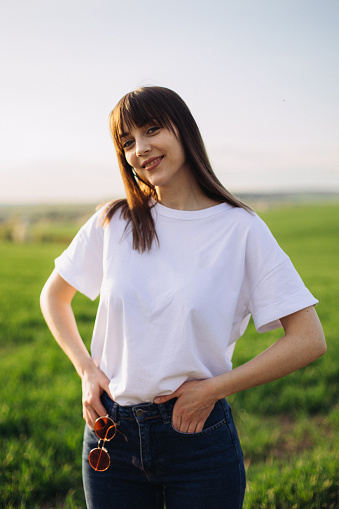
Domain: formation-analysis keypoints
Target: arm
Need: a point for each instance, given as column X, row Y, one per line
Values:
column 55, row 300
column 302, row 343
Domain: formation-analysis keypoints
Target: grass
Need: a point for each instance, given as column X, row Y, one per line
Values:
column 288, row 429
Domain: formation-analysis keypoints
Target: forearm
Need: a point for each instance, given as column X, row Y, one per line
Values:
column 61, row 322
column 56, row 299
column 297, row 348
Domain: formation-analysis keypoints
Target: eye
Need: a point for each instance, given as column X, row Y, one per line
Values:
column 153, row 129
column 127, row 143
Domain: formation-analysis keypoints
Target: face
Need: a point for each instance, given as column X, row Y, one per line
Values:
column 156, row 154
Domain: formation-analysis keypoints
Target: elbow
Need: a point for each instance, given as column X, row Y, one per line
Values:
column 308, row 336
column 319, row 342
column 315, row 333
column 322, row 346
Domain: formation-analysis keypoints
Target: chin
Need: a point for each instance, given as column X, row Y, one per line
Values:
column 158, row 182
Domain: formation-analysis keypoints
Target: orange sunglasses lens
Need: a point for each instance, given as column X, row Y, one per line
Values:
column 99, row 459
column 105, row 428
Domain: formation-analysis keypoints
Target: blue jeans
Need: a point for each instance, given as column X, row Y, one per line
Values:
column 153, row 465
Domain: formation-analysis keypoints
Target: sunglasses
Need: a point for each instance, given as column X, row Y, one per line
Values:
column 105, row 429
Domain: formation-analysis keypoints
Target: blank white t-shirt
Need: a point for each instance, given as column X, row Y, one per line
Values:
column 174, row 313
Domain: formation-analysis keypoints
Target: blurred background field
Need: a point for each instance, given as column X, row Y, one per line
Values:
column 288, row 429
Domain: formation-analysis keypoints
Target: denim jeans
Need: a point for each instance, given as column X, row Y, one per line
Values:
column 153, row 465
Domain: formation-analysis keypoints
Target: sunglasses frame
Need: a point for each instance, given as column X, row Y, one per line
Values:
column 101, row 448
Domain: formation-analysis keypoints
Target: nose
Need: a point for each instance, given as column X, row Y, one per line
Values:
column 141, row 146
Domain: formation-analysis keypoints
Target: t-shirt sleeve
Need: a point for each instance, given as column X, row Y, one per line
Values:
column 81, row 264
column 275, row 287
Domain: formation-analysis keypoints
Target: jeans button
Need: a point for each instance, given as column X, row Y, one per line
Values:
column 139, row 412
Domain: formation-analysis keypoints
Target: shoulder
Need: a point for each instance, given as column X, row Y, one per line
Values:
column 259, row 244
column 248, row 221
column 93, row 224
column 110, row 209
column 106, row 214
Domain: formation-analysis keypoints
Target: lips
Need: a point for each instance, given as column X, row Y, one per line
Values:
column 152, row 162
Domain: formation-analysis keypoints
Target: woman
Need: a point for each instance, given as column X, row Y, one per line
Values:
column 180, row 266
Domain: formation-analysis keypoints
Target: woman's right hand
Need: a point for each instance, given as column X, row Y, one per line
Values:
column 94, row 383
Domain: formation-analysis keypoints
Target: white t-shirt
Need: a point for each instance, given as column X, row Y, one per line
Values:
column 174, row 313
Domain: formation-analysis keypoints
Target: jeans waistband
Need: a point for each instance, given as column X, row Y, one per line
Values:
column 139, row 412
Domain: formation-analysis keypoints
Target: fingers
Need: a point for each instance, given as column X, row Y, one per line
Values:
column 190, row 412
column 94, row 383
column 188, row 421
column 163, row 399
column 92, row 409
column 188, row 424
column 192, row 408
column 181, row 422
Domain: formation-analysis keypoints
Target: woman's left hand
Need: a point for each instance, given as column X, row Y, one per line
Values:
column 193, row 406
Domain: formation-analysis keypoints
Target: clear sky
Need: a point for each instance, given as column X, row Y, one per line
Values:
column 261, row 78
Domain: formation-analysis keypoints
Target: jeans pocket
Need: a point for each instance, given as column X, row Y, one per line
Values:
column 215, row 420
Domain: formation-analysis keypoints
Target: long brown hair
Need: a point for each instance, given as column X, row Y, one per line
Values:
column 167, row 109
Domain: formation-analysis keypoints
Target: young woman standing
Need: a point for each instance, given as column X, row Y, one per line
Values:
column 180, row 265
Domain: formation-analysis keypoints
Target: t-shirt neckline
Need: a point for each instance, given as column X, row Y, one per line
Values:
column 190, row 214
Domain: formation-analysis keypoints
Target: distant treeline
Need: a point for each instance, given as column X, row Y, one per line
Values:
column 60, row 222
column 42, row 223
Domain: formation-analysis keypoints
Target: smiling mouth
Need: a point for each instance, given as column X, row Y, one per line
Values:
column 153, row 162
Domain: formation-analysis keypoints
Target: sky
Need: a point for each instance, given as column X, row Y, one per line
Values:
column 261, row 78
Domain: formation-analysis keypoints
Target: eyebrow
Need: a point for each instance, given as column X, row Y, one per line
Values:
column 149, row 122
column 124, row 135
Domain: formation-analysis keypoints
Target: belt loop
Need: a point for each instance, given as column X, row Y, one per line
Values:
column 165, row 417
column 114, row 411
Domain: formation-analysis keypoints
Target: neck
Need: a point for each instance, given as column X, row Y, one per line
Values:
column 185, row 197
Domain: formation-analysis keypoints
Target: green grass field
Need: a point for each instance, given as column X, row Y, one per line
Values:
column 288, row 429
